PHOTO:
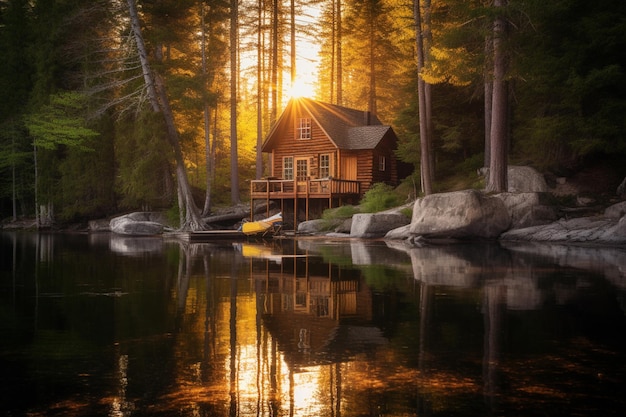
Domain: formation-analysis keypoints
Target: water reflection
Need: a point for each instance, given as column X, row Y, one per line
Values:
column 308, row 328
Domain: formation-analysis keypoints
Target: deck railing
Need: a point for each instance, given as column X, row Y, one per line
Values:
column 315, row 188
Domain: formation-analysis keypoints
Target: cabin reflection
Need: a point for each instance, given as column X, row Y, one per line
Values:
column 313, row 307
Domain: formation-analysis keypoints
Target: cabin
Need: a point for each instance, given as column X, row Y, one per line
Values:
column 323, row 155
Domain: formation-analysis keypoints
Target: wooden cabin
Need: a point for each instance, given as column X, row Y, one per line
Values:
column 323, row 155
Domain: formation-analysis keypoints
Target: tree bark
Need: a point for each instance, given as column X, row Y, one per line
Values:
column 234, row 168
column 207, row 124
column 274, row 65
column 339, row 56
column 372, row 58
column 488, row 74
column 499, row 121
column 292, row 36
column 426, row 170
column 160, row 104
column 259, row 92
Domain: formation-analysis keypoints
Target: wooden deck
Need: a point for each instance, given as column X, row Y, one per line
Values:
column 302, row 194
column 311, row 188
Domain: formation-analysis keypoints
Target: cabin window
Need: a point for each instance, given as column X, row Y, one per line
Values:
column 288, row 167
column 381, row 163
column 302, row 169
column 304, row 128
column 324, row 166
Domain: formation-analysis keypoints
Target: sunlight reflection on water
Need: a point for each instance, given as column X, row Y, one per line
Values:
column 309, row 328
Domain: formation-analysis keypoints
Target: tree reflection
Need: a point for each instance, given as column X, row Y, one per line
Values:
column 324, row 328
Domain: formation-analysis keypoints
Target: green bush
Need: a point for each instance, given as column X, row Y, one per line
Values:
column 343, row 212
column 380, row 197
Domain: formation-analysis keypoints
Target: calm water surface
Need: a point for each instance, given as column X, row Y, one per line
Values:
column 102, row 325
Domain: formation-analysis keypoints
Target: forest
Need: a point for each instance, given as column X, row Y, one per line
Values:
column 117, row 105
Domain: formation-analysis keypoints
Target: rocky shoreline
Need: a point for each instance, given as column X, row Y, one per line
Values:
column 527, row 213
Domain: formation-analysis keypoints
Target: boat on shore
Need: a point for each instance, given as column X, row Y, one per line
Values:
column 264, row 227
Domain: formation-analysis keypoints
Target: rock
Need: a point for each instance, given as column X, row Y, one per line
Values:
column 616, row 211
column 344, row 226
column 522, row 179
column 317, row 226
column 621, row 189
column 372, row 225
column 400, row 233
column 460, row 214
column 584, row 201
column 596, row 230
column 313, row 226
column 528, row 209
column 137, row 224
column 132, row 245
column 101, row 225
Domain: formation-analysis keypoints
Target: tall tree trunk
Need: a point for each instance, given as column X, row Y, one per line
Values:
column 339, row 57
column 332, row 52
column 428, row 88
column 143, row 56
column 234, row 168
column 160, row 104
column 13, row 181
column 488, row 77
column 372, row 69
column 499, row 117
column 207, row 123
column 293, row 42
column 259, row 92
column 274, row 65
column 423, row 103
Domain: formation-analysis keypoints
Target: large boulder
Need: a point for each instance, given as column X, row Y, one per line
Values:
column 373, row 225
column 528, row 209
column 459, row 215
column 100, row 225
column 137, row 224
column 522, row 179
column 596, row 230
column 318, row 226
column 621, row 189
column 616, row 211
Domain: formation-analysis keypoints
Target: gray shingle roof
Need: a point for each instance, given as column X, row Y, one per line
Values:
column 349, row 129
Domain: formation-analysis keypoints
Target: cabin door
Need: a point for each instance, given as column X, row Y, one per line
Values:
column 302, row 173
column 348, row 167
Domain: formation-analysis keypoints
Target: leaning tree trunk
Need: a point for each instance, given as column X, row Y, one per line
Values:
column 193, row 219
column 499, row 113
column 160, row 104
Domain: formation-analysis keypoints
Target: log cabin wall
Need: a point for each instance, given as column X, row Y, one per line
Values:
column 290, row 146
column 359, row 150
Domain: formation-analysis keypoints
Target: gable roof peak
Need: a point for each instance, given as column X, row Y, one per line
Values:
column 340, row 114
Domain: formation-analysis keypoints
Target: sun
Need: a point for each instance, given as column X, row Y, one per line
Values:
column 302, row 88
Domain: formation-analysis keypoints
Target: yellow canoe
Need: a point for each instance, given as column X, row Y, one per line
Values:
column 262, row 227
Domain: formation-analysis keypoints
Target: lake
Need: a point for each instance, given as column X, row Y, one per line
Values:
column 105, row 325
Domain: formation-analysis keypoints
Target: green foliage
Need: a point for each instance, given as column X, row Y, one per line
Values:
column 144, row 176
column 86, row 179
column 342, row 212
column 380, row 197
column 61, row 123
column 16, row 168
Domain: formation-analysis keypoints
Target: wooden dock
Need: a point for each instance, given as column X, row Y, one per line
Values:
column 209, row 235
